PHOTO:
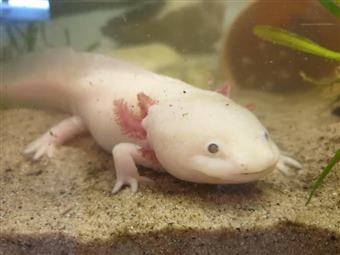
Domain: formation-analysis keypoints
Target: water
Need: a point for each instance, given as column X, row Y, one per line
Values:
column 64, row 203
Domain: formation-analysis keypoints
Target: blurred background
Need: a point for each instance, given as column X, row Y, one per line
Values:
column 202, row 42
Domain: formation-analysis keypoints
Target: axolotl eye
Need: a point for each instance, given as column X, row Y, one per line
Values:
column 213, row 148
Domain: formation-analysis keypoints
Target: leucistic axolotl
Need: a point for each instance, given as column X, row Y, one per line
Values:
column 143, row 118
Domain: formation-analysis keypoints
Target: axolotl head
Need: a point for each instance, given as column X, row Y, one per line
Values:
column 209, row 139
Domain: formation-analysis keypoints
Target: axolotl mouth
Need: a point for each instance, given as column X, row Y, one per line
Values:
column 253, row 176
column 232, row 178
column 219, row 171
column 265, row 171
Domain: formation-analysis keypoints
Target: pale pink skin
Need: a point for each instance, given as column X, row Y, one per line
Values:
column 172, row 134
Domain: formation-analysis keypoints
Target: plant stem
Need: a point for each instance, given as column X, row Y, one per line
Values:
column 324, row 173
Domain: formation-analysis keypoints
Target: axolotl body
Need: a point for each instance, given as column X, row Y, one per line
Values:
column 143, row 118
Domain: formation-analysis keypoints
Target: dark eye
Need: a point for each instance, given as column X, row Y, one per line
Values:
column 213, row 148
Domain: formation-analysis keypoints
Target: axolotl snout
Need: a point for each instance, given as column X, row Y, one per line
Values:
column 144, row 119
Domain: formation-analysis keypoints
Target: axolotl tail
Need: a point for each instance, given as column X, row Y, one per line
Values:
column 41, row 78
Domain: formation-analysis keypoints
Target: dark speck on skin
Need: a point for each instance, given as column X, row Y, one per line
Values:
column 185, row 114
column 226, row 104
column 8, row 170
column 266, row 136
column 184, row 91
column 170, row 105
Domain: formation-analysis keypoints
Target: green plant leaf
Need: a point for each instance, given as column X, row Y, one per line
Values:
column 332, row 5
column 67, row 36
column 92, row 46
column 31, row 36
column 294, row 41
column 324, row 173
column 12, row 38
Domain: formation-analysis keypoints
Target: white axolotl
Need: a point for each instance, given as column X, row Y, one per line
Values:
column 144, row 119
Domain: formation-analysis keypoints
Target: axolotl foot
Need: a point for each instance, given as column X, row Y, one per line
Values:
column 130, row 181
column 57, row 135
column 43, row 145
column 286, row 164
column 126, row 156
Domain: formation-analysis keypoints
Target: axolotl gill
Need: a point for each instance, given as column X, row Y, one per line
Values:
column 143, row 118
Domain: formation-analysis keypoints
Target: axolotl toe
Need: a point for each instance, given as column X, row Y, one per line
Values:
column 143, row 118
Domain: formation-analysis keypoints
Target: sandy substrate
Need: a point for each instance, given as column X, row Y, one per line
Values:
column 63, row 205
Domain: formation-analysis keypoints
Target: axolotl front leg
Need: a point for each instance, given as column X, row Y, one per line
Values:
column 127, row 156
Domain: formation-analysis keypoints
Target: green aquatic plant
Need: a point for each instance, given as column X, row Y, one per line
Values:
column 22, row 39
column 329, row 85
column 332, row 6
column 30, row 36
column 322, row 82
column 324, row 173
column 67, row 36
column 294, row 41
column 92, row 47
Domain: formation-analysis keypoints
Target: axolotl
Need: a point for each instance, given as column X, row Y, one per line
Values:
column 143, row 118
